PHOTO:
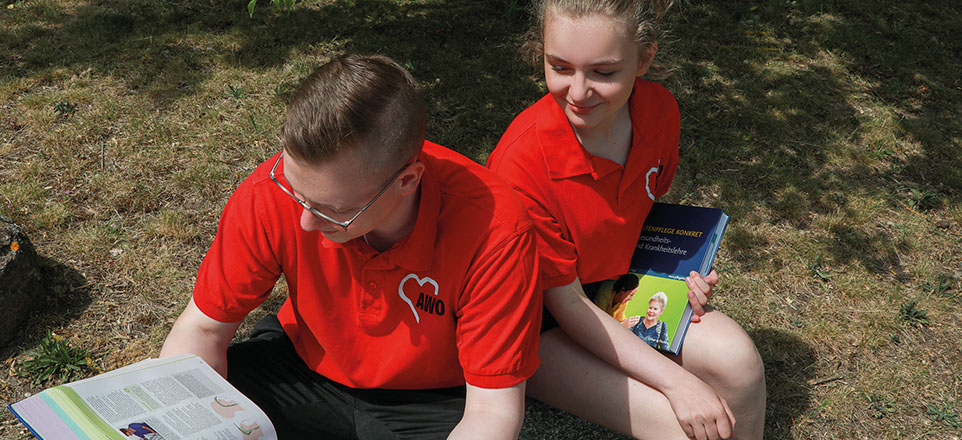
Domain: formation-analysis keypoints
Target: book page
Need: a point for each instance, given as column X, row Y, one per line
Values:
column 169, row 399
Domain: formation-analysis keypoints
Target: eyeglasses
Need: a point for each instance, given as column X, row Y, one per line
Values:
column 345, row 224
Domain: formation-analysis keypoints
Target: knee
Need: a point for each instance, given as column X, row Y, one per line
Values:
column 739, row 367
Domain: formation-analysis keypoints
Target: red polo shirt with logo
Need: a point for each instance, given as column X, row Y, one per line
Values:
column 457, row 300
column 589, row 210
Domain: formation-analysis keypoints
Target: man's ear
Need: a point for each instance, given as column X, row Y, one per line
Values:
column 411, row 178
column 647, row 56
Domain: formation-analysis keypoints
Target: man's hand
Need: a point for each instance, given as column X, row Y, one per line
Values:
column 702, row 413
column 700, row 292
column 494, row 413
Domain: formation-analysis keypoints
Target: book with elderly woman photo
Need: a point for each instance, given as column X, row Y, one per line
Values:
column 651, row 299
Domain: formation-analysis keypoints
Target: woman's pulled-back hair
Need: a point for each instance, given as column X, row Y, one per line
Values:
column 366, row 103
column 643, row 18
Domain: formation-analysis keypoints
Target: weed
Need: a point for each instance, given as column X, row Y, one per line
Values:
column 278, row 5
column 940, row 286
column 946, row 413
column 912, row 315
column 923, row 199
column 818, row 271
column 54, row 359
column 881, row 151
column 64, row 108
column 881, row 407
column 512, row 8
column 235, row 92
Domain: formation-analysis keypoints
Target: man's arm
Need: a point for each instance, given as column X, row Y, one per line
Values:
column 196, row 333
column 491, row 413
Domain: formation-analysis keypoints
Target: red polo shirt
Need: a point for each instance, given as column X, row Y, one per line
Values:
column 456, row 301
column 589, row 210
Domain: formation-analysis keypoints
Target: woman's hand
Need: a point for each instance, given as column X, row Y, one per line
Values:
column 630, row 321
column 700, row 292
column 702, row 413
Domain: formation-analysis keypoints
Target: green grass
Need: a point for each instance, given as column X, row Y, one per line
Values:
column 54, row 360
column 828, row 130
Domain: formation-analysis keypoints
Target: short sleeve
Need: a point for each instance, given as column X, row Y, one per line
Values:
column 499, row 315
column 557, row 252
column 240, row 269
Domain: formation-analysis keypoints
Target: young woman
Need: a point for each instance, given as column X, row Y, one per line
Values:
column 589, row 159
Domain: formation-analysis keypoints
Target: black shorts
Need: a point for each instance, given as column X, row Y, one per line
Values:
column 303, row 404
column 548, row 322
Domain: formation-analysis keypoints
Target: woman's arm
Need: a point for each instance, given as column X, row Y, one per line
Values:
column 696, row 405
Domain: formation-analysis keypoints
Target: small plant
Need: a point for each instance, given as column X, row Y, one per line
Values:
column 881, row 150
column 512, row 8
column 818, row 271
column 912, row 315
column 54, row 359
column 939, row 287
column 946, row 413
column 235, row 92
column 278, row 5
column 881, row 407
column 64, row 108
column 923, row 199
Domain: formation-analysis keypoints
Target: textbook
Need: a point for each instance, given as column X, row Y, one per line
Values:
column 173, row 398
column 675, row 240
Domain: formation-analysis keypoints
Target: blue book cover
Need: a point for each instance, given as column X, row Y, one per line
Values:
column 651, row 300
column 678, row 239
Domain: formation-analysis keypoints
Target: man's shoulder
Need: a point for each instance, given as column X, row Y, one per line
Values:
column 471, row 192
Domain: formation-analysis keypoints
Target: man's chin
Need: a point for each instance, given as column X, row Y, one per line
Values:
column 338, row 236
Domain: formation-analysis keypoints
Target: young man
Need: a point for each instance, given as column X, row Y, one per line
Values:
column 414, row 302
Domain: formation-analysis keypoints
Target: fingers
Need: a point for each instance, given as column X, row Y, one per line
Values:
column 712, row 278
column 696, row 306
column 700, row 291
column 731, row 418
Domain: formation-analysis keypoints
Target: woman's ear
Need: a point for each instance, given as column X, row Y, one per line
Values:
column 647, row 56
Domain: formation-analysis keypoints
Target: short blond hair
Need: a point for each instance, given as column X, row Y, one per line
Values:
column 659, row 296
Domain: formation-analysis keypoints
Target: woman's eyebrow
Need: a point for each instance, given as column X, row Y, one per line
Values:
column 603, row 62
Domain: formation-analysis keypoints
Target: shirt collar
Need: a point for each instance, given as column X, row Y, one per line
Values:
column 563, row 153
column 416, row 251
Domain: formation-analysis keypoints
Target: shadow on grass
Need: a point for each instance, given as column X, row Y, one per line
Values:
column 463, row 52
column 779, row 102
column 789, row 368
column 66, row 293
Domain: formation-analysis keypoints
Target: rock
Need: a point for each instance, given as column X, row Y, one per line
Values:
column 21, row 286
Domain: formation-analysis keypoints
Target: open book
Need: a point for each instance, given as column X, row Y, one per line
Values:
column 651, row 300
column 173, row 398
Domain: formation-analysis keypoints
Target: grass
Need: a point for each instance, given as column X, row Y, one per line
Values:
column 54, row 360
column 828, row 130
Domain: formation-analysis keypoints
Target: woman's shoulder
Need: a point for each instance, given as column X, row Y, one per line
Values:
column 653, row 97
column 519, row 143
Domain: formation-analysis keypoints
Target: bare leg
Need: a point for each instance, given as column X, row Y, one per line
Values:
column 716, row 350
column 575, row 380
column 719, row 352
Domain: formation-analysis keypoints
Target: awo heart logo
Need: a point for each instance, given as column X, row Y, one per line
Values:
column 426, row 303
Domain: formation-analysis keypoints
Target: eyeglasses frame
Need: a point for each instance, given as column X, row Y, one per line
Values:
column 345, row 224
